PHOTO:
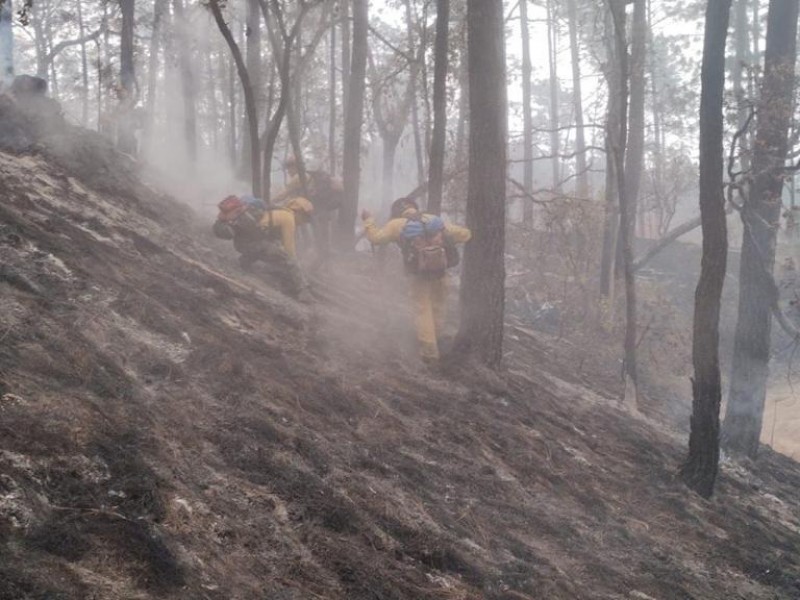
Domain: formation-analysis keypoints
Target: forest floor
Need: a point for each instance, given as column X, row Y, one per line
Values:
column 173, row 428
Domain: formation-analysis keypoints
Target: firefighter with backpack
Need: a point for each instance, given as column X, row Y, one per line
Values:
column 262, row 233
column 428, row 245
column 323, row 190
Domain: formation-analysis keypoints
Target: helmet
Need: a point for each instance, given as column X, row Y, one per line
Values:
column 401, row 205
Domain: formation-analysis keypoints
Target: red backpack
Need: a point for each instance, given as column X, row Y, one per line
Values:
column 427, row 250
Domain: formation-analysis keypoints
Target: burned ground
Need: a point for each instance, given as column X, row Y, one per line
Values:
column 170, row 427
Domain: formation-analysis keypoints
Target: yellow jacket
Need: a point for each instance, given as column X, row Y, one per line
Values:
column 293, row 187
column 286, row 219
column 394, row 228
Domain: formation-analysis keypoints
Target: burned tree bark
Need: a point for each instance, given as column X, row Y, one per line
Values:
column 249, row 97
column 613, row 76
column 634, row 156
column 552, row 47
column 761, row 215
column 700, row 469
column 159, row 8
column 482, row 288
column 344, row 7
column 84, row 65
column 419, row 152
column 188, row 87
column 436, row 164
column 354, row 114
column 527, row 117
column 332, row 103
column 126, row 140
column 742, row 31
column 252, row 33
column 6, row 43
column 282, row 48
column 618, row 145
column 581, row 175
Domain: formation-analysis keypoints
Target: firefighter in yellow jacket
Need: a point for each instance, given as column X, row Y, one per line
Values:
column 266, row 234
column 428, row 246
column 324, row 191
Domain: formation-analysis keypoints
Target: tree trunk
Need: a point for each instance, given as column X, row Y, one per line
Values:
column 6, row 42
column 743, row 58
column 282, row 49
column 387, row 184
column 625, row 229
column 424, row 94
column 347, row 38
column 354, row 115
column 84, row 66
column 39, row 41
column 419, row 151
column 482, row 289
column 249, row 98
column 700, row 469
column 634, row 147
column 105, row 62
column 214, row 121
column 663, row 214
column 252, row 32
column 152, row 67
column 440, row 52
column 761, row 216
column 332, row 114
column 188, row 91
column 582, row 175
column 232, row 112
column 552, row 41
column 527, row 118
column 51, row 63
column 126, row 140
column 463, row 102
column 756, row 25
column 613, row 78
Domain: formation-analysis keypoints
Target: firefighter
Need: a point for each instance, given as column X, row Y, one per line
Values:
column 428, row 247
column 266, row 234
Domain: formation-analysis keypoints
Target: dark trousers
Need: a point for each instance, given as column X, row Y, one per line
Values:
column 277, row 265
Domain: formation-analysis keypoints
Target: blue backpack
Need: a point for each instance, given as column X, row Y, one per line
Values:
column 427, row 250
column 253, row 202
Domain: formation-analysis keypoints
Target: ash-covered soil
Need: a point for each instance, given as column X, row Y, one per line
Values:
column 173, row 428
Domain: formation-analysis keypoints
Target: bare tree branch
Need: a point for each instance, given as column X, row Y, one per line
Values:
column 61, row 46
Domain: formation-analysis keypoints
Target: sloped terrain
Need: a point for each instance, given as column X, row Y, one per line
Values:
column 173, row 428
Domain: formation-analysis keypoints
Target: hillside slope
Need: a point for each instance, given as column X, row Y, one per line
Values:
column 172, row 428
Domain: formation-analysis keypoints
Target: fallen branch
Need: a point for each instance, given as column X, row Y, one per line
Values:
column 670, row 237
